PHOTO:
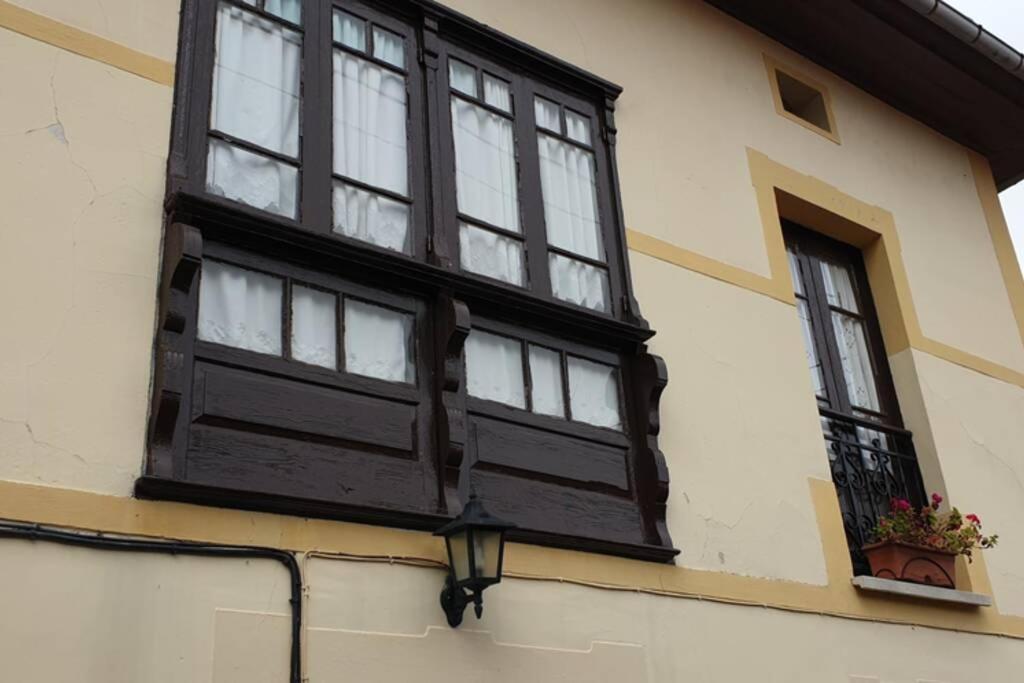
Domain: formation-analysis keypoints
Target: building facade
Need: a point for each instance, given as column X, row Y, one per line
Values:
column 686, row 290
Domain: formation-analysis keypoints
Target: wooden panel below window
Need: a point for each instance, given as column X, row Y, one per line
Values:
column 303, row 410
column 264, row 434
column 533, row 452
column 554, row 508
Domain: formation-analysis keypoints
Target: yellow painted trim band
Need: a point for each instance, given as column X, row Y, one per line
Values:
column 782, row 192
column 158, row 519
column 53, row 32
column 652, row 246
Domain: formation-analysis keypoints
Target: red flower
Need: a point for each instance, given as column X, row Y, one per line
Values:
column 973, row 519
column 900, row 504
column 936, row 499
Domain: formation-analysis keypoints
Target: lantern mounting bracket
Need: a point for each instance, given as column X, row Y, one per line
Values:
column 454, row 601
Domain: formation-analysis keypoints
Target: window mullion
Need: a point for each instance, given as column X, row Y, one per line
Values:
column 531, row 199
column 200, row 95
column 316, row 116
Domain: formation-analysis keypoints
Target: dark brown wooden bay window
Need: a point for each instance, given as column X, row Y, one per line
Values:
column 870, row 454
column 395, row 272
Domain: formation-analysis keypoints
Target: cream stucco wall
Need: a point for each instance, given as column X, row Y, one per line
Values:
column 697, row 95
column 82, row 153
column 83, row 148
column 96, row 617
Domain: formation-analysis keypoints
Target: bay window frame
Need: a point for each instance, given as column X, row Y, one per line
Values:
column 201, row 225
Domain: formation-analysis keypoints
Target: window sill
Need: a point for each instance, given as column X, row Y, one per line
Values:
column 905, row 589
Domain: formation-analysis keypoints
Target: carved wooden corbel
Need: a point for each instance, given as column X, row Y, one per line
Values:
column 650, row 378
column 183, row 249
column 453, row 326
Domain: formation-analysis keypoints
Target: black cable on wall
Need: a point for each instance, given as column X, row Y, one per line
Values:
column 35, row 532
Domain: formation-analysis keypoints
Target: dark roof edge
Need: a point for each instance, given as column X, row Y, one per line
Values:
column 974, row 34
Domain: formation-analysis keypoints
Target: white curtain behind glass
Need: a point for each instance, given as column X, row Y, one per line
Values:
column 314, row 327
column 378, row 342
column 546, row 381
column 370, row 143
column 485, row 167
column 240, row 308
column 806, row 328
column 851, row 338
column 594, row 393
column 256, row 81
column 578, row 282
column 488, row 253
column 494, row 368
column 369, row 123
column 569, row 184
column 253, row 179
column 371, row 217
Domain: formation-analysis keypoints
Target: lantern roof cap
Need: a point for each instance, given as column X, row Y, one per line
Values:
column 476, row 516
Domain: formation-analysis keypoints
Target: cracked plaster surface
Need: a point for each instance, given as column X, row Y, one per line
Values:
column 84, row 149
column 978, row 431
column 149, row 26
column 743, row 439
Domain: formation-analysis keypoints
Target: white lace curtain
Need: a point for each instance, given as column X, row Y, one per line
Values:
column 378, row 342
column 370, row 146
column 494, row 371
column 240, row 308
column 255, row 98
column 569, row 185
column 851, row 338
column 485, row 166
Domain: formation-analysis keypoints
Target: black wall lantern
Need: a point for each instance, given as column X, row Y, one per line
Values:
column 476, row 549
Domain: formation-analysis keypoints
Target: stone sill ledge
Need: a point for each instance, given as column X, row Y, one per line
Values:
column 916, row 590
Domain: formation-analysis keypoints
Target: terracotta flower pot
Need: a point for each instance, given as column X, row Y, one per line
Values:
column 913, row 563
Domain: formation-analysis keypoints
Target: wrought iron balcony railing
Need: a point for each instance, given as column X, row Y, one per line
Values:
column 871, row 464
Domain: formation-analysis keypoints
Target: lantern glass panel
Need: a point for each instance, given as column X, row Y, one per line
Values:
column 486, row 553
column 458, row 555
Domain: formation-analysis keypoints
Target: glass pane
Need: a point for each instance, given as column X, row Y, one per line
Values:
column 314, row 327
column 547, row 114
column 839, row 286
column 569, row 185
column 378, row 342
column 486, row 548
column 371, row 217
column 485, row 165
column 240, row 308
column 494, row 368
column 488, row 253
column 459, row 549
column 577, row 127
column 251, row 178
column 389, row 47
column 462, row 77
column 290, row 10
column 350, row 31
column 794, row 273
column 856, row 361
column 496, row 93
column 813, row 362
column 594, row 393
column 370, row 123
column 256, row 80
column 546, row 381
column 579, row 283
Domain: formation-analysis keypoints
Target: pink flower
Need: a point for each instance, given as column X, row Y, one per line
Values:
column 973, row 519
column 936, row 499
column 900, row 504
